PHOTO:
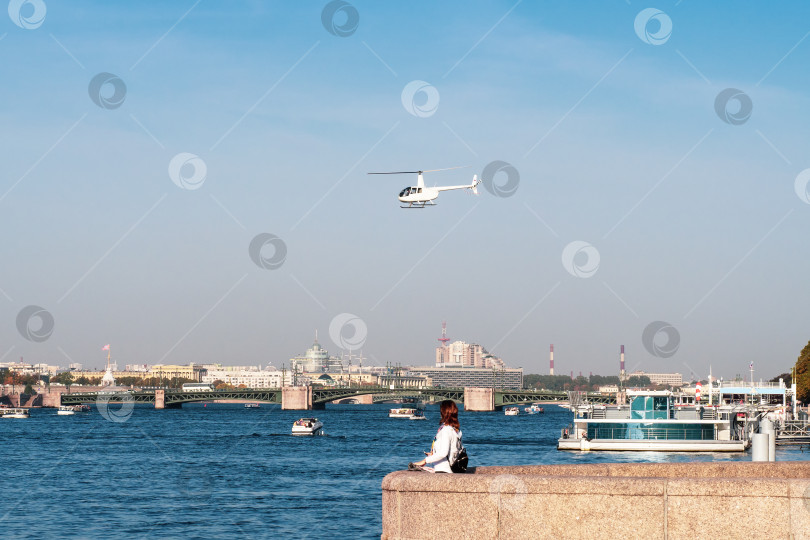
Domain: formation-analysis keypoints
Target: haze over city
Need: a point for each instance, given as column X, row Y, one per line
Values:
column 680, row 210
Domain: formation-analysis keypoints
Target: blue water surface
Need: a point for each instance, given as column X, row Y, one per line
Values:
column 219, row 470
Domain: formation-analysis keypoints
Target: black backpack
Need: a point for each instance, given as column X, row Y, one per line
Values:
column 460, row 464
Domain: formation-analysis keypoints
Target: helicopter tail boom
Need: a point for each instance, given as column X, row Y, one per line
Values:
column 471, row 187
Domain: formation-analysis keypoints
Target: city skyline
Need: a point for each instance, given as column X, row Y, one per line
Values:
column 188, row 181
column 288, row 364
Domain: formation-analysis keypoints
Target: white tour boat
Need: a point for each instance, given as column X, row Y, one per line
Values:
column 404, row 412
column 511, row 411
column 418, row 415
column 65, row 410
column 653, row 421
column 14, row 412
column 307, row 426
column 251, row 405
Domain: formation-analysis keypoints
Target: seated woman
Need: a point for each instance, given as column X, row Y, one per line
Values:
column 446, row 443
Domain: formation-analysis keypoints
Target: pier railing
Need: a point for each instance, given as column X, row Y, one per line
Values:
column 653, row 434
column 795, row 430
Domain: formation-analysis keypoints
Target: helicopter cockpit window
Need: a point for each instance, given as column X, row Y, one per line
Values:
column 404, row 192
column 420, row 190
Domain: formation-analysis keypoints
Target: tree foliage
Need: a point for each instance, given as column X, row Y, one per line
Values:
column 15, row 377
column 66, row 378
column 787, row 378
column 638, row 382
column 803, row 375
column 562, row 383
column 547, row 382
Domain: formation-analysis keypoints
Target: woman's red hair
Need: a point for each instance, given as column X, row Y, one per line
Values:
column 449, row 413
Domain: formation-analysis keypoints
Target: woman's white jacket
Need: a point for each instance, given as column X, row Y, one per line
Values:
column 446, row 447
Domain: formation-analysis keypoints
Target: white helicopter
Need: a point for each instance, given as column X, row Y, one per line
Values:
column 419, row 196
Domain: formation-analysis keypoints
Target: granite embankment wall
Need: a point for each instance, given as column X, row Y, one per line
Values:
column 617, row 500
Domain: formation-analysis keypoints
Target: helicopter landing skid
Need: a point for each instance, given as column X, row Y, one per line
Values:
column 419, row 205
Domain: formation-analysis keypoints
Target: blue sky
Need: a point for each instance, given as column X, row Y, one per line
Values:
column 617, row 142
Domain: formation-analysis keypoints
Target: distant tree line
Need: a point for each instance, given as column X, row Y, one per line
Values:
column 787, row 378
column 564, row 383
column 69, row 378
column 174, row 382
column 13, row 377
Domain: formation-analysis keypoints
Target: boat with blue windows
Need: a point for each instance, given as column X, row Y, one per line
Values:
column 658, row 421
column 534, row 408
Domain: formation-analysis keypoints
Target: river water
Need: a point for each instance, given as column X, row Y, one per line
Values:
column 223, row 470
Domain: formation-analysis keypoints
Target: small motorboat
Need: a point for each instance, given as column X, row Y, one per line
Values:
column 251, row 405
column 307, row 426
column 511, row 411
column 419, row 414
column 14, row 412
column 65, row 410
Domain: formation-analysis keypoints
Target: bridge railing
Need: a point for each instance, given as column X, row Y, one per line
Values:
column 321, row 395
column 329, row 394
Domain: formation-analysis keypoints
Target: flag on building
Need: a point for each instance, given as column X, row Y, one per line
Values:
column 106, row 347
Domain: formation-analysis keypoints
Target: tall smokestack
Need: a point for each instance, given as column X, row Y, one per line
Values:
column 621, row 364
column 551, row 361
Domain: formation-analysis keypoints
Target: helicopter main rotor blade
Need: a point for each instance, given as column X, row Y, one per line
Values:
column 420, row 172
column 398, row 172
column 449, row 168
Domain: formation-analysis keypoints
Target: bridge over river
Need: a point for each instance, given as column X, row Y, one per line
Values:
column 309, row 397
